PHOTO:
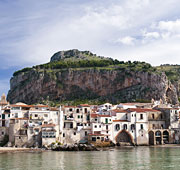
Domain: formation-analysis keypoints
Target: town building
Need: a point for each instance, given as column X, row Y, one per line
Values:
column 123, row 124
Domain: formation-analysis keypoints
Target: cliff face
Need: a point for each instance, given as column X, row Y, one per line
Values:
column 91, row 83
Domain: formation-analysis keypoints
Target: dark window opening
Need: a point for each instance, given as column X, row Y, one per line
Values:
column 94, row 139
column 71, row 125
column 125, row 126
column 132, row 127
column 141, row 116
column 161, row 116
column 85, row 110
column 117, row 127
column 152, row 116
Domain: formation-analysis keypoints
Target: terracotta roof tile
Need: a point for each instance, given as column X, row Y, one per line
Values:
column 141, row 110
column 120, row 121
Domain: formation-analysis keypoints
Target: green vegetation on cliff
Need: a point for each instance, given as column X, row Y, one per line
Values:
column 106, row 64
column 171, row 71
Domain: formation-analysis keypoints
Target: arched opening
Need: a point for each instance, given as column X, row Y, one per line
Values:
column 166, row 137
column 158, row 137
column 123, row 137
column 151, row 138
column 117, row 127
column 125, row 126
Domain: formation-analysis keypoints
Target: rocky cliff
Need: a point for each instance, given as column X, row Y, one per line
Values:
column 117, row 82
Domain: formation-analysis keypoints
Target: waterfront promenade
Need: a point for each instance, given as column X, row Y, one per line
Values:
column 13, row 149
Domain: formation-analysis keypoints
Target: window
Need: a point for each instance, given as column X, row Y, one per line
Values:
column 16, row 115
column 81, row 116
column 85, row 110
column 88, row 117
column 45, row 115
column 98, row 137
column 74, row 133
column 161, row 125
column 132, row 127
column 94, row 139
column 152, row 116
column 132, row 115
column 95, row 126
column 141, row 126
column 70, row 109
column 106, row 131
column 2, row 133
column 99, row 126
column 3, row 116
column 106, row 127
column 161, row 116
column 117, row 127
column 141, row 116
column 153, row 126
column 8, row 115
column 65, row 117
column 71, row 125
column 125, row 126
column 36, row 115
column 77, row 111
column 78, row 116
column 64, row 135
column 95, row 119
column 36, row 130
column 85, row 133
column 85, row 124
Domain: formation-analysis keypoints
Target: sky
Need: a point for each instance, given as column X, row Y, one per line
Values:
column 31, row 31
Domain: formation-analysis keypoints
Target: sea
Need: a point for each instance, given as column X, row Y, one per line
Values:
column 128, row 158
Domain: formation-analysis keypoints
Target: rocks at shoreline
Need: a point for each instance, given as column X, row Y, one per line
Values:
column 74, row 147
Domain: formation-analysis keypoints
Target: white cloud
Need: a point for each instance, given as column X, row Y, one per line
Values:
column 151, row 35
column 170, row 26
column 34, row 30
column 127, row 40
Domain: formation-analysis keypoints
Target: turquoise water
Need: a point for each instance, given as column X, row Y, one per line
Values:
column 124, row 158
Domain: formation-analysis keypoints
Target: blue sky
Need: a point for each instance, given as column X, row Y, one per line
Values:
column 31, row 31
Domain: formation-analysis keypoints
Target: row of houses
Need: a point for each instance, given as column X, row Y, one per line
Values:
column 127, row 123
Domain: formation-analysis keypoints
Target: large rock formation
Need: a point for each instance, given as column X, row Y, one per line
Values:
column 112, row 84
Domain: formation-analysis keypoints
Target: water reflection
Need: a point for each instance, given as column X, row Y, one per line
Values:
column 122, row 158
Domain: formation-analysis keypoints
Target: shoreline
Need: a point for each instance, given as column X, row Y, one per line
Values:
column 12, row 149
